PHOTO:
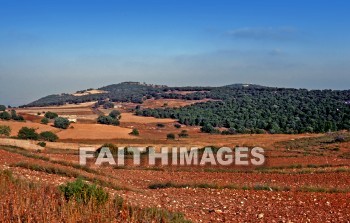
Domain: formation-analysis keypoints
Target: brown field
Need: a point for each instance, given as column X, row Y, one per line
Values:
column 305, row 178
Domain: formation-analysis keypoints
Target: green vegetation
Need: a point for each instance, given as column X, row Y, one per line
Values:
column 111, row 119
column 115, row 114
column 5, row 130
column 49, row 136
column 42, row 144
column 170, row 136
column 83, row 192
column 50, row 115
column 108, row 105
column 275, row 110
column 2, row 108
column 183, row 134
column 135, row 132
column 107, row 120
column 28, row 133
column 61, row 123
column 177, row 125
column 44, row 121
column 5, row 115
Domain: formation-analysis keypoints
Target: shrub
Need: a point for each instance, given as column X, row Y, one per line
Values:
column 83, row 192
column 44, row 121
column 170, row 136
column 135, row 132
column 42, row 144
column 115, row 114
column 108, row 105
column 5, row 130
column 107, row 120
column 177, row 125
column 16, row 117
column 48, row 136
column 2, row 108
column 183, row 134
column 51, row 115
column 28, row 133
column 5, row 116
column 61, row 123
column 160, row 125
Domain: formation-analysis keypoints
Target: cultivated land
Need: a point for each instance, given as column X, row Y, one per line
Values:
column 306, row 177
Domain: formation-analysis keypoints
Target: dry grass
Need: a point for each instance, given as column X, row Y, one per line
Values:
column 43, row 203
column 95, row 131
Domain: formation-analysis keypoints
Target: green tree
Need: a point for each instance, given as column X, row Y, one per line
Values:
column 183, row 134
column 107, row 120
column 61, row 123
column 28, row 133
column 5, row 130
column 51, row 115
column 48, row 136
column 5, row 115
column 170, row 136
column 115, row 114
column 44, row 120
column 2, row 108
column 135, row 132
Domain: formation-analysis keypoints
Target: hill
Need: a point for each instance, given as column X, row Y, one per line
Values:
column 241, row 108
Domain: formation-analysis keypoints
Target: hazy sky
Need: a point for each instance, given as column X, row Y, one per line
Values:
column 54, row 46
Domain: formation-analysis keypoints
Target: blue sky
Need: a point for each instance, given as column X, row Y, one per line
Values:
column 59, row 46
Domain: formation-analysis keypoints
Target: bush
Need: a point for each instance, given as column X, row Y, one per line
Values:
column 48, row 136
column 108, row 105
column 107, row 120
column 16, row 117
column 160, row 125
column 2, row 108
column 28, row 133
column 83, row 192
column 51, row 115
column 183, row 134
column 115, row 114
column 177, row 125
column 44, row 121
column 5, row 130
column 5, row 116
column 170, row 136
column 61, row 123
column 135, row 132
column 42, row 144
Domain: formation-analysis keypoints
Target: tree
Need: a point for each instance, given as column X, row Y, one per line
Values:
column 115, row 114
column 135, row 132
column 61, row 123
column 5, row 115
column 208, row 128
column 2, row 108
column 183, row 134
column 170, row 136
column 108, row 105
column 28, row 133
column 5, row 130
column 48, row 136
column 107, row 120
column 51, row 115
column 44, row 121
column 177, row 125
column 16, row 117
